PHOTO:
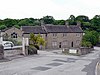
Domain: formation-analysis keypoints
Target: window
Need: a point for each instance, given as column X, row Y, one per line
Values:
column 46, row 35
column 78, row 35
column 64, row 34
column 65, row 43
column 54, row 44
column 13, row 35
column 54, row 34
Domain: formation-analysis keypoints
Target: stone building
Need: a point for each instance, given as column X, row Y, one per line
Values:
column 56, row 36
column 12, row 32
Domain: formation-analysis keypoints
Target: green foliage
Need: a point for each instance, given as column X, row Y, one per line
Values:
column 95, row 23
column 86, row 44
column 82, row 18
column 41, row 41
column 32, row 50
column 86, row 23
column 48, row 19
column 91, row 37
column 17, row 26
column 9, row 22
column 59, row 22
column 72, row 20
column 2, row 27
column 23, row 22
column 36, row 41
column 15, row 42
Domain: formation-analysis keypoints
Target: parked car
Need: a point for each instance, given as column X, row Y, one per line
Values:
column 7, row 44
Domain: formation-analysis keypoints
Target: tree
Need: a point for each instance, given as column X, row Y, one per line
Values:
column 82, row 18
column 23, row 22
column 2, row 27
column 9, row 22
column 40, row 41
column 59, row 22
column 95, row 23
column 91, row 36
column 37, row 40
column 17, row 26
column 48, row 19
column 72, row 20
column 86, row 44
column 86, row 26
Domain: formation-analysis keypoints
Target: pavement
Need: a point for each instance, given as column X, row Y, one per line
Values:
column 51, row 63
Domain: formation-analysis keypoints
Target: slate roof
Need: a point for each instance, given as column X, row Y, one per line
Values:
column 63, row 29
column 33, row 29
column 57, row 28
column 52, row 29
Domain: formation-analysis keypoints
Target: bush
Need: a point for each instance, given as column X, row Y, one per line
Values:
column 2, row 27
column 86, row 44
column 15, row 42
column 36, row 46
column 32, row 50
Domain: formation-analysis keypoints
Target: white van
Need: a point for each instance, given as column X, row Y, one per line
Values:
column 7, row 44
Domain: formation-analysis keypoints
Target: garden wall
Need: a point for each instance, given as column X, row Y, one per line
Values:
column 12, row 52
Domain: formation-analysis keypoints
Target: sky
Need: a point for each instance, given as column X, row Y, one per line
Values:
column 59, row 9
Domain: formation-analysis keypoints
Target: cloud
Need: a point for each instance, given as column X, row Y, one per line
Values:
column 60, row 9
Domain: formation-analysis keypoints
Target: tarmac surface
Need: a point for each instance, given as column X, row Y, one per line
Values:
column 50, row 63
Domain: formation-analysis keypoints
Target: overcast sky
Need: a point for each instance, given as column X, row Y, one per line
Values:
column 59, row 9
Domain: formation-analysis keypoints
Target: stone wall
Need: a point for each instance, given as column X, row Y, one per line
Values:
column 1, row 52
column 78, row 51
column 84, row 50
column 12, row 52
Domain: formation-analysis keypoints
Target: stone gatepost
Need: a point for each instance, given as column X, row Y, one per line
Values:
column 1, row 52
column 26, row 50
column 25, row 46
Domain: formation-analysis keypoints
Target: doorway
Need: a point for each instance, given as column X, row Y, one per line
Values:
column 72, row 44
column 59, row 44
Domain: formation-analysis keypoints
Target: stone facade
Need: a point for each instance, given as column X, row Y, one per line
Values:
column 56, row 36
column 14, row 33
column 64, row 40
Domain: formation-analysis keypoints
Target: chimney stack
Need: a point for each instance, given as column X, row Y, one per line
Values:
column 42, row 22
column 67, row 23
column 78, row 23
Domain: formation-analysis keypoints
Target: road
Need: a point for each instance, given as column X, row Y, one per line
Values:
column 51, row 63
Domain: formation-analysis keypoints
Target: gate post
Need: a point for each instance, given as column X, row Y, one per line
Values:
column 1, row 52
column 23, row 46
